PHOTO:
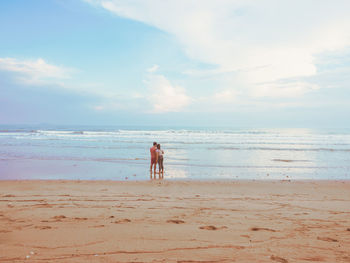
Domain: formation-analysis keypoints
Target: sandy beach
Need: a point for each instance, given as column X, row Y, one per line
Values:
column 175, row 221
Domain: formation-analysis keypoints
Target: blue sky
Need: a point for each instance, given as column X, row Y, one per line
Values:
column 186, row 62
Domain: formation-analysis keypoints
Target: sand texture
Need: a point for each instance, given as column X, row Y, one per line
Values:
column 174, row 221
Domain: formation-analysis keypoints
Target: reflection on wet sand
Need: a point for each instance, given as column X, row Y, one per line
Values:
column 153, row 175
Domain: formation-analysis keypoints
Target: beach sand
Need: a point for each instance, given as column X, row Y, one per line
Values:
column 175, row 221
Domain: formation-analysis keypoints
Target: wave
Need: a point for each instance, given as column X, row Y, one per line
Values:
column 54, row 132
column 191, row 137
column 18, row 131
column 281, row 149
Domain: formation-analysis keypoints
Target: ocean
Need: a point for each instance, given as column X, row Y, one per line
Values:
column 122, row 153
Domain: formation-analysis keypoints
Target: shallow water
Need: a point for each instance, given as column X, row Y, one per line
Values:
column 118, row 153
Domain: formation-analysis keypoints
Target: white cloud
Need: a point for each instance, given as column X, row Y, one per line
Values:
column 259, row 41
column 98, row 108
column 153, row 69
column 165, row 97
column 34, row 71
column 159, row 96
column 283, row 90
column 225, row 96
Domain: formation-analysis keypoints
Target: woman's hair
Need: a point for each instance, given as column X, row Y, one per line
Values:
column 158, row 146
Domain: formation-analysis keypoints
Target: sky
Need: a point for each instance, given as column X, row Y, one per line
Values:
column 236, row 63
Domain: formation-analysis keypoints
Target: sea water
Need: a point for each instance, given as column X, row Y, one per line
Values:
column 122, row 153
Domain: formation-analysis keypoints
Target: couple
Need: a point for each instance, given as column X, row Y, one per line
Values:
column 157, row 157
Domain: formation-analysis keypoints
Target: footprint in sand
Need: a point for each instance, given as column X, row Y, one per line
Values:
column 315, row 259
column 9, row 196
column 328, row 239
column 348, row 229
column 59, row 218
column 80, row 218
column 126, row 220
column 279, row 259
column 5, row 231
column 175, row 221
column 262, row 228
column 43, row 227
column 212, row 227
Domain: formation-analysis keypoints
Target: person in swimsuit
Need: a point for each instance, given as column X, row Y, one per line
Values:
column 153, row 158
column 160, row 154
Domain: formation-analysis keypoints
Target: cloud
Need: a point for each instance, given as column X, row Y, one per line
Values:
column 39, row 73
column 258, row 42
column 34, row 71
column 283, row 90
column 98, row 108
column 153, row 69
column 165, row 97
column 225, row 96
column 160, row 96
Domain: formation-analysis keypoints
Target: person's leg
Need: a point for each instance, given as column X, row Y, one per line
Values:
column 163, row 165
column 152, row 162
column 160, row 164
column 151, row 166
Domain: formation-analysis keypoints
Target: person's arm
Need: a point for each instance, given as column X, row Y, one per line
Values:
column 157, row 156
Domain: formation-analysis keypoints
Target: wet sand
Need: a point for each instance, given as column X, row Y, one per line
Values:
column 175, row 221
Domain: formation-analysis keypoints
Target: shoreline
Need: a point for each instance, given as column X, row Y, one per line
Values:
column 206, row 180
